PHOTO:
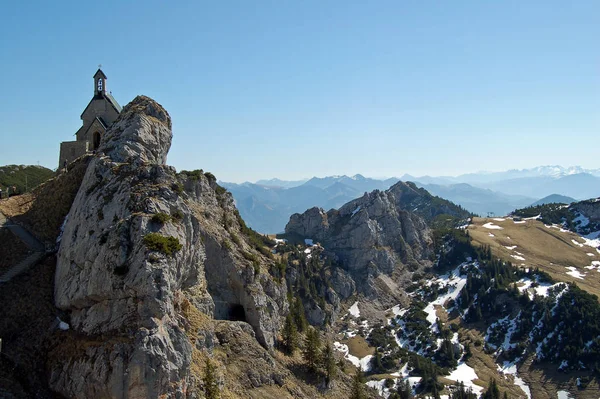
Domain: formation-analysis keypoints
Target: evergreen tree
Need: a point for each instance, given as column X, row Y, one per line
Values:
column 312, row 347
column 298, row 314
column 460, row 392
column 290, row 335
column 492, row 392
column 404, row 390
column 328, row 362
column 376, row 364
column 468, row 352
column 211, row 387
column 358, row 389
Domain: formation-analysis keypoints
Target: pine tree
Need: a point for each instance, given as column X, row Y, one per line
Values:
column 312, row 348
column 358, row 390
column 290, row 335
column 328, row 362
column 211, row 387
column 492, row 392
column 298, row 314
column 376, row 362
column 404, row 390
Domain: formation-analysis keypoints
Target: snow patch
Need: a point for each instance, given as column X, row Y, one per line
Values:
column 354, row 311
column 355, row 211
column 455, row 284
column 511, row 248
column 397, row 311
column 521, row 384
column 491, row 226
column 363, row 364
column 518, row 257
column 533, row 217
column 499, row 219
column 466, row 374
column 575, row 273
column 564, row 395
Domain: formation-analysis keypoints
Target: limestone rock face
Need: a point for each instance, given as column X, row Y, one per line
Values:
column 142, row 134
column 372, row 237
column 140, row 239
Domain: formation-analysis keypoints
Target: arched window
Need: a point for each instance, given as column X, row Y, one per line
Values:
column 100, row 84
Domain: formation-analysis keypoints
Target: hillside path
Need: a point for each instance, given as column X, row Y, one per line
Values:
column 33, row 243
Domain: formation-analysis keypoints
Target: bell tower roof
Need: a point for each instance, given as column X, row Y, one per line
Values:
column 100, row 74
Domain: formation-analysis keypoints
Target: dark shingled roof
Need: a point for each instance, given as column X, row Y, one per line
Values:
column 113, row 102
column 102, row 122
column 110, row 99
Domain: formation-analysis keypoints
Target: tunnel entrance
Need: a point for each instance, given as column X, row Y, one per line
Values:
column 229, row 311
column 237, row 313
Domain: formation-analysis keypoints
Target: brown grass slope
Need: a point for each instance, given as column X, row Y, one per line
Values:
column 552, row 251
column 547, row 248
column 43, row 211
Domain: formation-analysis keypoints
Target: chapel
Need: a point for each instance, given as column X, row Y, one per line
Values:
column 97, row 117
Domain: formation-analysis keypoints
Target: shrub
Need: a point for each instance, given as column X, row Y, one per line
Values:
column 236, row 240
column 210, row 177
column 177, row 216
column 160, row 243
column 177, row 187
column 194, row 174
column 160, row 217
column 256, row 267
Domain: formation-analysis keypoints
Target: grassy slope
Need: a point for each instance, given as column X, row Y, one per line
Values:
column 23, row 176
column 42, row 211
column 547, row 248
column 552, row 251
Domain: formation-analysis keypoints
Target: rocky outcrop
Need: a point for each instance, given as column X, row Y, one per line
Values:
column 138, row 240
column 586, row 216
column 375, row 237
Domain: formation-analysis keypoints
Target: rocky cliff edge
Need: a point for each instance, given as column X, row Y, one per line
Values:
column 139, row 246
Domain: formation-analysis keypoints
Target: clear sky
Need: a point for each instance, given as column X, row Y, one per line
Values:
column 292, row 89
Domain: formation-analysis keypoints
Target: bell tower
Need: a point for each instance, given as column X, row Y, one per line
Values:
column 99, row 83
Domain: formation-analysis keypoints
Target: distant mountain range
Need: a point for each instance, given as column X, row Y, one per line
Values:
column 550, row 171
column 267, row 208
column 554, row 199
column 267, row 204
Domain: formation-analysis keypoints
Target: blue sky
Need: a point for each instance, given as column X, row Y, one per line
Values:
column 292, row 89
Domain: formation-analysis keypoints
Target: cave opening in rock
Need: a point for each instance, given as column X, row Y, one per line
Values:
column 237, row 313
